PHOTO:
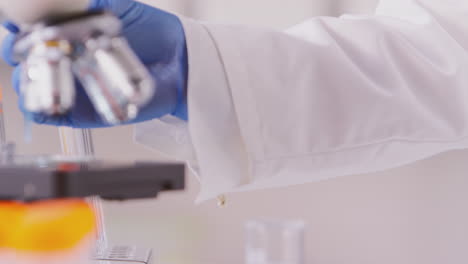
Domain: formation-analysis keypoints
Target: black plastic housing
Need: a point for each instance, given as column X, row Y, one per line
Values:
column 111, row 181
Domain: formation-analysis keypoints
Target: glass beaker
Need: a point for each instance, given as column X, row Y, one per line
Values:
column 275, row 242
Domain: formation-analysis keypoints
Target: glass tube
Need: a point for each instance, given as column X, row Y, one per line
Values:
column 79, row 143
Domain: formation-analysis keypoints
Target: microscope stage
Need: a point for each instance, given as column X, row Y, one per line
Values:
column 65, row 179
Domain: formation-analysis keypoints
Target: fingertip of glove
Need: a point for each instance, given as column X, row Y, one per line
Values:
column 99, row 4
column 10, row 26
column 30, row 116
column 7, row 49
column 118, row 7
column 40, row 119
column 94, row 4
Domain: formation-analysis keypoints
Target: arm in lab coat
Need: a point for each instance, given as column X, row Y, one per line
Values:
column 329, row 97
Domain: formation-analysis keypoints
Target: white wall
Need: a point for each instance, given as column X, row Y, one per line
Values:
column 409, row 215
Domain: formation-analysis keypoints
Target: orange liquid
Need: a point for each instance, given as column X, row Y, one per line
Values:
column 51, row 226
column 10, row 215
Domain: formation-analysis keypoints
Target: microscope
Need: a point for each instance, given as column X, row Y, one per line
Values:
column 56, row 49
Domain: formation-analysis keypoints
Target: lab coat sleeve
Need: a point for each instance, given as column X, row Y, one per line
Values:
column 329, row 97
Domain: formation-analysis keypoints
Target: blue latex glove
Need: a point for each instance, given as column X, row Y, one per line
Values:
column 157, row 38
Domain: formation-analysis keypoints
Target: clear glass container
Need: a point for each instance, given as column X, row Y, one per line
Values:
column 275, row 242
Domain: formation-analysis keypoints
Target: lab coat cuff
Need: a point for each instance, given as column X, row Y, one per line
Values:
column 214, row 128
column 213, row 142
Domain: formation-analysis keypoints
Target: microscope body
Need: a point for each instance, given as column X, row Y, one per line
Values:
column 59, row 47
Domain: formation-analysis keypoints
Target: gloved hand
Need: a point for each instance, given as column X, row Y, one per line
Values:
column 157, row 38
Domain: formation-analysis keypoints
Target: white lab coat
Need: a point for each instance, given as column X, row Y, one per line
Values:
column 330, row 97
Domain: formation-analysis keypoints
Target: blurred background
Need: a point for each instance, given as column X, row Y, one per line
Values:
column 408, row 215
